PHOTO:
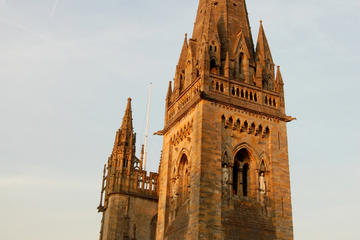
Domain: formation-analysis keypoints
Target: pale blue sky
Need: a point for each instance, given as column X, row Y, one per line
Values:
column 67, row 68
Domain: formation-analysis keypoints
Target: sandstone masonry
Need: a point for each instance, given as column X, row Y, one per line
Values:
column 224, row 168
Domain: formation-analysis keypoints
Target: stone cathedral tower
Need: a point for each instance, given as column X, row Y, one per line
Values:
column 224, row 169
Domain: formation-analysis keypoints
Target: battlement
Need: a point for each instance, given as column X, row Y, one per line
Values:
column 245, row 92
column 234, row 92
column 138, row 183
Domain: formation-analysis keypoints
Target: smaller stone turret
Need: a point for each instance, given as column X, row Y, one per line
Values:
column 265, row 68
column 125, row 185
column 123, row 154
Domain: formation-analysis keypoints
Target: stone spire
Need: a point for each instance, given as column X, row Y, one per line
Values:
column 228, row 19
column 123, row 154
column 262, row 47
column 180, row 67
column 265, row 68
column 279, row 81
column 169, row 92
column 168, row 100
column 184, row 50
column 127, row 119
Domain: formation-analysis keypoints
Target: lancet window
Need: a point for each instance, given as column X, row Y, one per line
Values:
column 184, row 179
column 241, row 60
column 241, row 173
column 213, row 68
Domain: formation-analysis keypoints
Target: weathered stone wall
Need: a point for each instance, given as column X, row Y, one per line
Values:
column 116, row 221
column 213, row 211
column 141, row 213
column 255, row 216
column 129, row 217
column 178, row 219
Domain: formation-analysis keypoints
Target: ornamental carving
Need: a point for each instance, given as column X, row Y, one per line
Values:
column 183, row 133
column 246, row 126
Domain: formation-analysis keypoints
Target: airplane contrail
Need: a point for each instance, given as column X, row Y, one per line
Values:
column 53, row 10
column 24, row 29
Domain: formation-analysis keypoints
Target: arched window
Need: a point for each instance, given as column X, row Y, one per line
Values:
column 213, row 68
column 241, row 173
column 124, row 163
column 184, row 179
column 238, row 124
column 181, row 81
column 241, row 57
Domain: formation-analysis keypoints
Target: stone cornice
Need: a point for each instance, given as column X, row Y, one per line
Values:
column 247, row 106
column 136, row 194
column 227, row 101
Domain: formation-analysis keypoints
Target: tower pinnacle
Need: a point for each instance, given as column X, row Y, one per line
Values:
column 228, row 18
column 127, row 119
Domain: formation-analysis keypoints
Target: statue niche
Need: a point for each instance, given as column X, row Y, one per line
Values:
column 180, row 185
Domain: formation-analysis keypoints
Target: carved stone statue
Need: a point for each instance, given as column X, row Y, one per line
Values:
column 262, row 187
column 262, row 183
column 225, row 175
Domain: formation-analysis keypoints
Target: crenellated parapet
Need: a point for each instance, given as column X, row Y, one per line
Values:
column 139, row 183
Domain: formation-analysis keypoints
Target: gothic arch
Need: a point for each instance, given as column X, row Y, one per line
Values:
column 183, row 152
column 244, row 171
column 181, row 178
column 254, row 155
column 213, row 66
column 263, row 158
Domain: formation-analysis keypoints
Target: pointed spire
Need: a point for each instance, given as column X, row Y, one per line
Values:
column 210, row 27
column 127, row 119
column 123, row 153
column 262, row 47
column 184, row 51
column 168, row 99
column 169, row 92
column 279, row 80
column 228, row 19
column 126, row 131
column 227, row 65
